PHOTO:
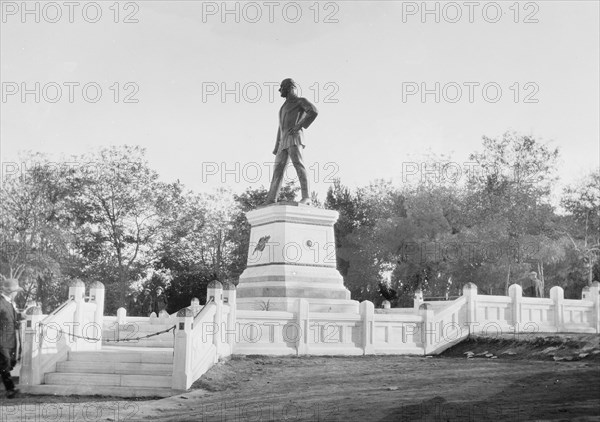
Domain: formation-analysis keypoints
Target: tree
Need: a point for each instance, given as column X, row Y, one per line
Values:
column 437, row 236
column 35, row 229
column 511, row 188
column 582, row 225
column 363, row 257
column 119, row 210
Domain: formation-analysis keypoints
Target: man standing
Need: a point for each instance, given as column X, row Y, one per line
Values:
column 9, row 329
column 295, row 114
column 537, row 283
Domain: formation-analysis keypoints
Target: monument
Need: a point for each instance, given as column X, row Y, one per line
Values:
column 295, row 114
column 292, row 246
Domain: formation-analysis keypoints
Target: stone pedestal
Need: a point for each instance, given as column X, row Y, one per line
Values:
column 292, row 256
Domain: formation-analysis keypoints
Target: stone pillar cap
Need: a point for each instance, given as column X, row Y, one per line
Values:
column 228, row 285
column 185, row 312
column 215, row 284
column 34, row 310
column 76, row 283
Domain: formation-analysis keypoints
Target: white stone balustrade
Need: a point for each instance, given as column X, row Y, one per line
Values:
column 205, row 334
column 74, row 326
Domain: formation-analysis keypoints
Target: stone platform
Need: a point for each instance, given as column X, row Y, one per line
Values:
column 292, row 256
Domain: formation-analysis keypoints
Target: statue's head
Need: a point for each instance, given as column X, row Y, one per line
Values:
column 287, row 86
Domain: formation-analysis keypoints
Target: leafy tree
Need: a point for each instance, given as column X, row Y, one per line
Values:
column 582, row 225
column 119, row 210
column 155, row 244
column 35, row 229
column 511, row 188
column 363, row 258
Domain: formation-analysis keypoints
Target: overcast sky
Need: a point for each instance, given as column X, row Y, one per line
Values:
column 360, row 63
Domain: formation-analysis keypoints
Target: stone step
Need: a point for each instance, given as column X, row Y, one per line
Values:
column 108, row 367
column 116, row 380
column 125, row 354
column 97, row 390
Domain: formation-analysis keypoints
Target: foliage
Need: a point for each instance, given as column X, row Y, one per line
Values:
column 35, row 228
column 155, row 245
column 436, row 236
column 582, row 225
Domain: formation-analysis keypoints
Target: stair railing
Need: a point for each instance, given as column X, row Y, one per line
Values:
column 48, row 339
column 202, row 338
column 443, row 327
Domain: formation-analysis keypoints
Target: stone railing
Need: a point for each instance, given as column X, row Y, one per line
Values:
column 73, row 326
column 205, row 334
column 515, row 313
column 201, row 338
column 327, row 333
column 427, row 328
column 444, row 328
column 127, row 329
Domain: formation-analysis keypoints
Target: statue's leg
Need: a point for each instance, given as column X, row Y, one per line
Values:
column 298, row 161
column 278, row 170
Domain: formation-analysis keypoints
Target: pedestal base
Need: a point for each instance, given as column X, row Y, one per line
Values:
column 292, row 256
column 277, row 287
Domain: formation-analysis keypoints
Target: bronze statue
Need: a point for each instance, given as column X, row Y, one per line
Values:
column 295, row 114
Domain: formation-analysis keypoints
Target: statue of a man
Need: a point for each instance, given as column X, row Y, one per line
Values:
column 295, row 114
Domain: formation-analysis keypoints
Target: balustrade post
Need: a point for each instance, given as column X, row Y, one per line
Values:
column 417, row 299
column 367, row 312
column 195, row 306
column 515, row 291
column 595, row 294
column 585, row 293
column 229, row 297
column 77, row 294
column 163, row 317
column 121, row 316
column 557, row 294
column 182, row 350
column 427, row 327
column 97, row 297
column 470, row 293
column 217, row 321
column 31, row 352
column 214, row 290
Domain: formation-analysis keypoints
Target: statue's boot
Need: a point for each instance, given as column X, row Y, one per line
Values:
column 273, row 190
column 303, row 187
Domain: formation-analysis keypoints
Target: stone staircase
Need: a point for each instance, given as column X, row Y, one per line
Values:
column 121, row 371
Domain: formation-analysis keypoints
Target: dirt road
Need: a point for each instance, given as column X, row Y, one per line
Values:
column 371, row 388
column 387, row 388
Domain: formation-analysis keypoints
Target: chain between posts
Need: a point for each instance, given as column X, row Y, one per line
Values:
column 109, row 340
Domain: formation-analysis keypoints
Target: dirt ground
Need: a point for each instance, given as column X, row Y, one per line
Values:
column 478, row 380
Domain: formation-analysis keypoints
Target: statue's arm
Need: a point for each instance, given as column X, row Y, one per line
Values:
column 277, row 142
column 310, row 113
